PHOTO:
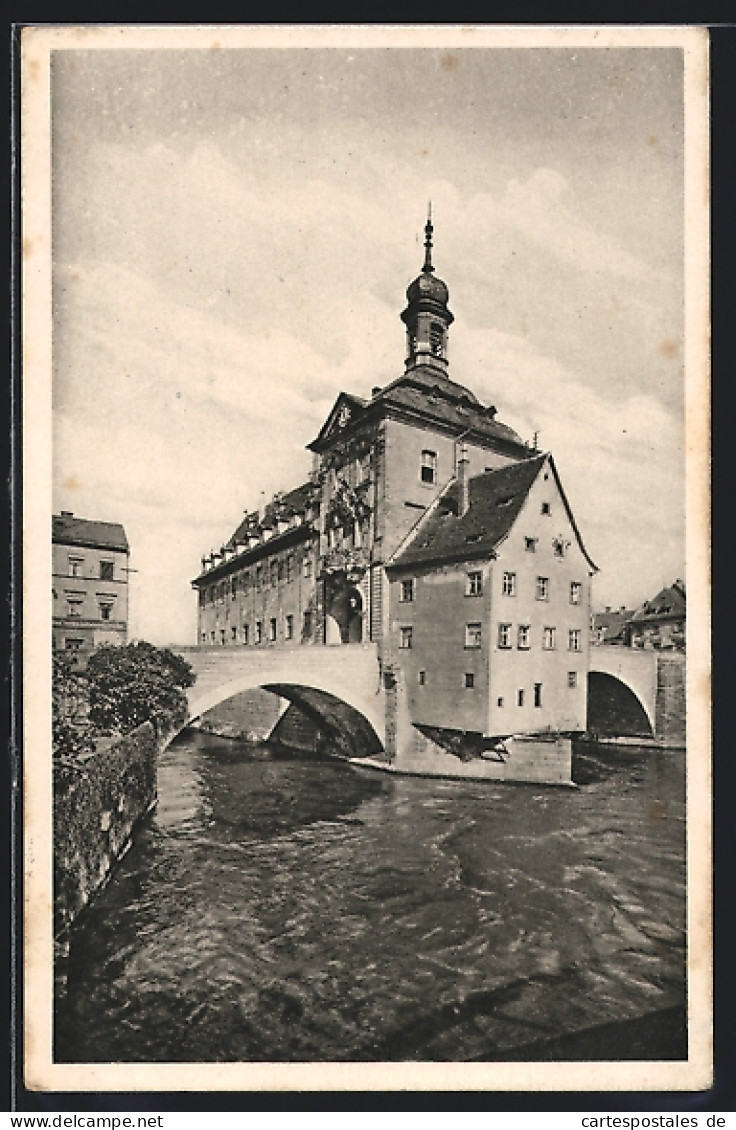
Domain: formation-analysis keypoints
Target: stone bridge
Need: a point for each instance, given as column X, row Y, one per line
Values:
column 630, row 692
column 318, row 680
column 635, row 692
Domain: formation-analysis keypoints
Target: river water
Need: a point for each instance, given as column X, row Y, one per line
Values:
column 283, row 909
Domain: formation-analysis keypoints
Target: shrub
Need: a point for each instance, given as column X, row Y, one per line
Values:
column 134, row 684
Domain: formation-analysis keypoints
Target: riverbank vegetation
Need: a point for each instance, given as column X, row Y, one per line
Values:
column 119, row 690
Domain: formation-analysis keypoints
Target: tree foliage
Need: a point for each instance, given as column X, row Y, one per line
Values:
column 134, row 684
column 71, row 732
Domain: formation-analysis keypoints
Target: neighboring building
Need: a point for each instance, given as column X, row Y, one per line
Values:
column 313, row 566
column 610, row 627
column 660, row 623
column 490, row 598
column 89, row 584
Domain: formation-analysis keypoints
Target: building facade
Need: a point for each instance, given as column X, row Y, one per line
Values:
column 660, row 622
column 325, row 563
column 489, row 604
column 90, row 570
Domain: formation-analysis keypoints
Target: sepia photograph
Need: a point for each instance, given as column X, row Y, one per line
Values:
column 365, row 414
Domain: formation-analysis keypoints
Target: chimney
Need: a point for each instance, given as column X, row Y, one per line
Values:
column 462, row 478
column 375, row 390
column 67, row 513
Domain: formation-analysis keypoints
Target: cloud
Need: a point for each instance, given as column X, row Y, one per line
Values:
column 210, row 306
column 543, row 207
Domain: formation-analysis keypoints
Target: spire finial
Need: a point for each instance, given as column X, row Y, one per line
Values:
column 428, row 229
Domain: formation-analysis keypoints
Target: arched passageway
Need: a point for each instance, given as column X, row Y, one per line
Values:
column 313, row 721
column 614, row 710
column 340, row 728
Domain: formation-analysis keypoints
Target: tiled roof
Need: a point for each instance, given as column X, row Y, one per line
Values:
column 427, row 393
column 611, row 624
column 293, row 502
column 495, row 497
column 68, row 530
column 430, row 393
column 670, row 603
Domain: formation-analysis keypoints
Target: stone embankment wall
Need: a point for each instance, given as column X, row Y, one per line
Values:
column 96, row 807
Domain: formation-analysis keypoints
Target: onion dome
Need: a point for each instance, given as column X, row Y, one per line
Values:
column 427, row 293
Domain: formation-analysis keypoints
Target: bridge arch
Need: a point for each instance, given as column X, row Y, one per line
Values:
column 615, row 709
column 338, row 688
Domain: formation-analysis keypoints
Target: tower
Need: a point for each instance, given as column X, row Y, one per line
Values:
column 427, row 317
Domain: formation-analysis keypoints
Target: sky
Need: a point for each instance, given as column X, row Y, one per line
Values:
column 233, row 234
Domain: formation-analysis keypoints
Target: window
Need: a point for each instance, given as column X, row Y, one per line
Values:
column 290, row 567
column 549, row 639
column 246, row 582
column 504, row 635
column 107, row 570
column 75, row 566
column 204, row 637
column 546, row 508
column 422, row 678
column 530, row 545
column 428, row 468
column 73, row 645
column 435, row 338
column 405, row 638
column 523, row 636
column 537, row 694
column 307, row 568
column 520, row 698
column 259, row 577
column 474, row 584
column 222, row 636
column 212, row 636
column 272, row 629
column 559, row 547
column 572, row 678
column 259, row 631
column 246, row 633
column 573, row 639
column 499, row 700
column 234, row 588
column 307, row 626
column 234, row 633
column 289, row 629
column 508, row 586
column 74, row 603
column 469, row 679
column 473, row 635
column 106, row 611
column 406, row 594
column 542, row 588
column 576, row 592
column 274, row 571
